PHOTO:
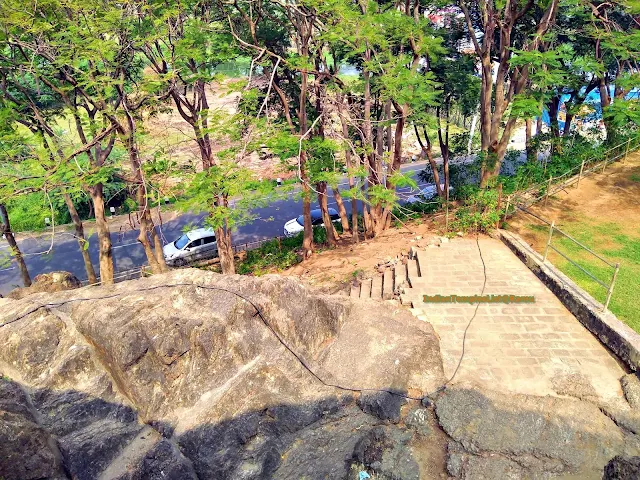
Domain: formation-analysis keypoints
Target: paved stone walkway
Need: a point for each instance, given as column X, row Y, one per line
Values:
column 538, row 348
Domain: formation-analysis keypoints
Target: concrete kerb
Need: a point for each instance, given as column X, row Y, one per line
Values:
column 614, row 334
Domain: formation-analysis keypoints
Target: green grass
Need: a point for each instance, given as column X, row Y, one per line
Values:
column 615, row 247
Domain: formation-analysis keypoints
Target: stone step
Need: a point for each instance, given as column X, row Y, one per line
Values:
column 400, row 276
column 365, row 288
column 376, row 287
column 413, row 271
column 387, row 284
column 355, row 291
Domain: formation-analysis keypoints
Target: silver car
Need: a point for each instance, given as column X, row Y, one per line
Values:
column 194, row 245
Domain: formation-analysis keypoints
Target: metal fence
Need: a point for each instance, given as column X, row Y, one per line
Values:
column 542, row 191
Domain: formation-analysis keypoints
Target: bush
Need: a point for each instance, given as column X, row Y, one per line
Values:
column 480, row 213
column 276, row 254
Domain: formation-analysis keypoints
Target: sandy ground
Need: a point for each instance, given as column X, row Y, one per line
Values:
column 333, row 270
column 609, row 197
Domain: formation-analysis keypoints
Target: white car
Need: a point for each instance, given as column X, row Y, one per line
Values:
column 427, row 193
column 296, row 225
column 194, row 245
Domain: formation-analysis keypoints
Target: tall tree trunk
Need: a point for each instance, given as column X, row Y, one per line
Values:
column 539, row 125
column 348, row 160
column 225, row 247
column 5, row 224
column 147, row 229
column 324, row 208
column 82, row 242
column 567, row 125
column 528, row 137
column 344, row 218
column 554, row 106
column 104, row 237
column 307, row 241
column 428, row 152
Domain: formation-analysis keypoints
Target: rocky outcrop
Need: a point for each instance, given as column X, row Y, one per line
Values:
column 517, row 436
column 49, row 283
column 160, row 375
column 194, row 375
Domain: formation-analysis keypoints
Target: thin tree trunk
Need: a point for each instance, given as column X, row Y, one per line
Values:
column 104, row 237
column 326, row 218
column 225, row 247
column 567, row 125
column 17, row 254
column 147, row 229
column 344, row 218
column 348, row 160
column 528, row 146
column 225, row 250
column 82, row 242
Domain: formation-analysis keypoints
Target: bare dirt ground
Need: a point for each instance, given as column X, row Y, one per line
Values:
column 333, row 270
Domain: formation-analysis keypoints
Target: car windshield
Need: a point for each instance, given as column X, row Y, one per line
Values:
column 300, row 220
column 181, row 242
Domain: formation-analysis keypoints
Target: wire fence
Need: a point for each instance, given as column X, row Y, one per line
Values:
column 520, row 201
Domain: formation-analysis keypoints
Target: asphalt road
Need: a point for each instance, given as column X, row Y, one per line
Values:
column 128, row 253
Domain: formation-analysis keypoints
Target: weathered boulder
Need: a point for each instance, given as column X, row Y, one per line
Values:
column 161, row 375
column 49, row 283
column 622, row 468
column 631, row 388
column 514, row 436
column 27, row 451
column 198, row 375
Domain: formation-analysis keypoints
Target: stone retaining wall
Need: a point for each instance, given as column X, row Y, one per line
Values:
column 614, row 334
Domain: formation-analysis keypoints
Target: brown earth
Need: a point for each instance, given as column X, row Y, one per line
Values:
column 606, row 197
column 332, row 270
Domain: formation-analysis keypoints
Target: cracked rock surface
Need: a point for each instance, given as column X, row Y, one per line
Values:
column 182, row 382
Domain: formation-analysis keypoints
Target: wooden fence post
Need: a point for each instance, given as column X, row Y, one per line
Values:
column 626, row 153
column 499, row 204
column 546, row 198
column 580, row 176
column 546, row 249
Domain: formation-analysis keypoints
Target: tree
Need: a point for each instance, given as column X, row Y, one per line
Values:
column 504, row 27
column 183, row 43
column 5, row 228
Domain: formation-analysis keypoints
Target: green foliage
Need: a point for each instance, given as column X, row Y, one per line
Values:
column 274, row 255
column 480, row 212
column 278, row 254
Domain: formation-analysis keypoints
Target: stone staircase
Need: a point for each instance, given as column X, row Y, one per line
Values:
column 401, row 281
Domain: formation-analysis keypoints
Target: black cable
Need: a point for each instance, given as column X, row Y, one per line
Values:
column 464, row 336
column 273, row 331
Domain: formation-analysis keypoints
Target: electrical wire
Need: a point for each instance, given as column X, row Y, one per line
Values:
column 259, row 313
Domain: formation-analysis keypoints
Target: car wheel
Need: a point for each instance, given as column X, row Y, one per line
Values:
column 180, row 262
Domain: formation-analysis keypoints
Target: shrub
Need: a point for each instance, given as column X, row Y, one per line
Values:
column 480, row 212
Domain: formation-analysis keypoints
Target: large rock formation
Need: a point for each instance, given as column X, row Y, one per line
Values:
column 49, row 283
column 143, row 376
column 161, row 378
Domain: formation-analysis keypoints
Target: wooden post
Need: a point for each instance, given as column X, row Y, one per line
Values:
column 580, row 176
column 499, row 204
column 626, row 153
column 506, row 210
column 613, row 282
column 604, row 164
column 546, row 249
column 546, row 198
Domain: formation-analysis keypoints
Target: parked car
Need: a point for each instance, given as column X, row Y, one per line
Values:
column 427, row 193
column 296, row 225
column 194, row 245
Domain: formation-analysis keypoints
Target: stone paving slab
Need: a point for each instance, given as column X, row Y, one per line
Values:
column 538, row 348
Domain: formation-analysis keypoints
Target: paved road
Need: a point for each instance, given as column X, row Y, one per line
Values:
column 128, row 253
